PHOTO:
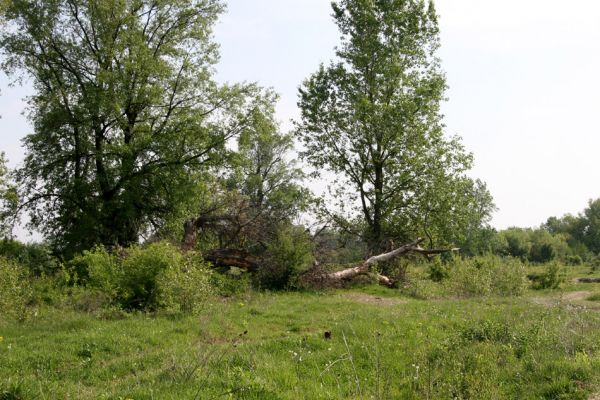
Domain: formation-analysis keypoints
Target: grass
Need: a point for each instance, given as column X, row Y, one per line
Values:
column 272, row 346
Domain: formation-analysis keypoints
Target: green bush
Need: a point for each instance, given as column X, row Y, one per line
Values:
column 152, row 277
column 141, row 269
column 438, row 271
column 470, row 278
column 551, row 278
column 98, row 269
column 289, row 254
column 15, row 290
column 184, row 287
column 232, row 283
column 487, row 275
column 574, row 260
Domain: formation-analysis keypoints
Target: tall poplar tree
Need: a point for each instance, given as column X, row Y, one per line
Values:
column 372, row 117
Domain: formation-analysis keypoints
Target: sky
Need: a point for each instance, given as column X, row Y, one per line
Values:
column 524, row 89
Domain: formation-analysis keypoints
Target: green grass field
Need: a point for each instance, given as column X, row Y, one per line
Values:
column 383, row 345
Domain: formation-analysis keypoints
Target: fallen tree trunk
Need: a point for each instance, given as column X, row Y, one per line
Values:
column 364, row 268
column 233, row 258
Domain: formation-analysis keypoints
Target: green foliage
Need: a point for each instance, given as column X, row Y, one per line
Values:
column 535, row 245
column 438, row 271
column 234, row 282
column 518, row 243
column 126, row 113
column 153, row 277
column 488, row 275
column 591, row 226
column 36, row 257
column 287, row 255
column 574, row 260
column 184, row 287
column 552, row 277
column 372, row 117
column 98, row 269
column 263, row 172
column 15, row 290
column 581, row 232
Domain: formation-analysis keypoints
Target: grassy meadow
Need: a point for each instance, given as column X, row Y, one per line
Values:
column 383, row 344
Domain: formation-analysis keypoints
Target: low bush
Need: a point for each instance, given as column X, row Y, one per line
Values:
column 232, row 283
column 97, row 268
column 487, row 275
column 184, row 287
column 551, row 278
column 574, row 260
column 15, row 290
column 149, row 278
column 471, row 277
column 438, row 271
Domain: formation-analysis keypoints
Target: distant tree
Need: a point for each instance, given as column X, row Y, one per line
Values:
column 125, row 112
column 373, row 118
column 518, row 242
column 591, row 226
column 581, row 232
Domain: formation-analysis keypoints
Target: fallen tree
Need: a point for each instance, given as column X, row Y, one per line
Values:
column 338, row 277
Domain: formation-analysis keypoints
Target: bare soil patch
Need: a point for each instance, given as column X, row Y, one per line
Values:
column 370, row 299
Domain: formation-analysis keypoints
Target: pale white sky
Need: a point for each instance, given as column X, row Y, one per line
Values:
column 524, row 89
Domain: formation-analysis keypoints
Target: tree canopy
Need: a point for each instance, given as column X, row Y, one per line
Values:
column 126, row 113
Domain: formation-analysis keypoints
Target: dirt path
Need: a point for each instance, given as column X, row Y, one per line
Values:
column 570, row 299
column 370, row 299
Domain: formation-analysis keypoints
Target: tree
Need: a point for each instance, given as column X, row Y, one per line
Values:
column 373, row 118
column 260, row 193
column 264, row 171
column 126, row 114
column 591, row 228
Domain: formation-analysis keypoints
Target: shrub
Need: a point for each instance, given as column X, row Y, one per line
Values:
column 487, row 275
column 140, row 271
column 470, row 278
column 15, row 290
column 184, row 287
column 286, row 256
column 438, row 271
column 551, row 278
column 574, row 260
column 232, row 283
column 141, row 278
column 98, row 269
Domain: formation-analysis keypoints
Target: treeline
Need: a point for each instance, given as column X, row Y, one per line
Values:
column 571, row 239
